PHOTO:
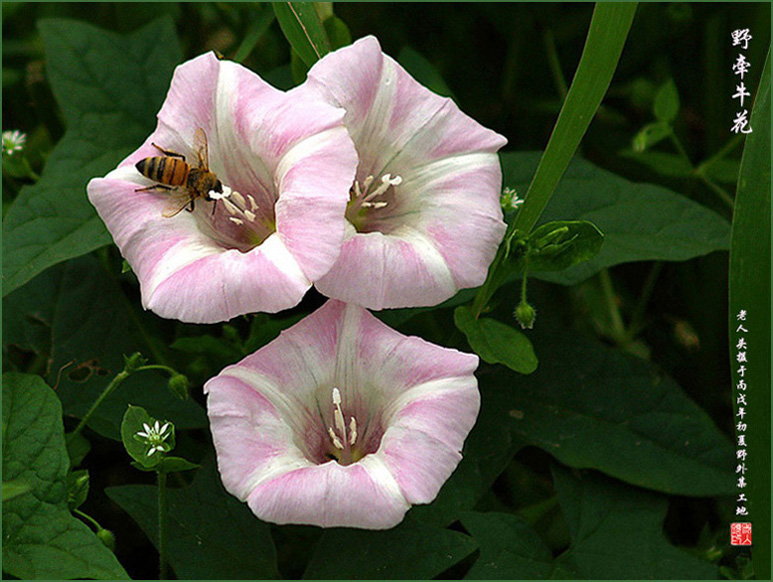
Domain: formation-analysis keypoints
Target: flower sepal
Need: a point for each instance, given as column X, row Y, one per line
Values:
column 167, row 465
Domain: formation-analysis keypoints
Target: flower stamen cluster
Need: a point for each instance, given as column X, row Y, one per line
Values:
column 345, row 454
column 155, row 436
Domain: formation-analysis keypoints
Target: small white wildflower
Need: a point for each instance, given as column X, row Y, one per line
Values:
column 13, row 141
column 510, row 199
column 155, row 436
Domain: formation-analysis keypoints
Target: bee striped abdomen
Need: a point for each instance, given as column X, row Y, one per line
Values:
column 165, row 170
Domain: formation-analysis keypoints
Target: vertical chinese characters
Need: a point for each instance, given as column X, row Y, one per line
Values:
column 741, row 37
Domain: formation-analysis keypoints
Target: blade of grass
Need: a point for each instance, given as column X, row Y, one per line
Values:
column 303, row 28
column 750, row 291
column 606, row 37
column 254, row 33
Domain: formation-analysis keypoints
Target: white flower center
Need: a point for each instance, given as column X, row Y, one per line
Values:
column 362, row 195
column 155, row 436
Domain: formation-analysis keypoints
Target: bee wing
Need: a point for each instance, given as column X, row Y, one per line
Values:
column 179, row 202
column 202, row 148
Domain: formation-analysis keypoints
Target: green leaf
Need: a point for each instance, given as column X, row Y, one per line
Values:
column 13, row 489
column 652, row 134
column 606, row 37
column 79, row 305
column 167, row 465
column 77, row 488
column 409, row 551
column 227, row 540
column 663, row 163
column 666, row 105
column 496, row 342
column 750, row 291
column 110, row 88
column 640, row 222
column 423, row 71
column 41, row 540
column 617, row 532
column 593, row 407
column 337, row 32
column 561, row 244
column 137, row 420
column 510, row 549
column 78, row 447
column 303, row 29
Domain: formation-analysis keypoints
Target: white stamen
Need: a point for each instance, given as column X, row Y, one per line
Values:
column 250, row 215
column 236, row 220
column 336, row 441
column 367, row 182
column 253, row 205
column 352, row 431
column 336, row 396
column 386, row 181
column 230, row 206
column 239, row 198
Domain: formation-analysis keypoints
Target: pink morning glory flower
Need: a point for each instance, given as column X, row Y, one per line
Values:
column 424, row 217
column 264, row 229
column 341, row 421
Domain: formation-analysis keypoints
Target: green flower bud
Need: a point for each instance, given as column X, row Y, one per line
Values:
column 108, row 538
column 133, row 362
column 526, row 315
column 179, row 385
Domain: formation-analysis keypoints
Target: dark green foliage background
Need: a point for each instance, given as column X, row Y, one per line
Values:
column 613, row 459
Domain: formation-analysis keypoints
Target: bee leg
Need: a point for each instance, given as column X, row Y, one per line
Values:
column 214, row 207
column 191, row 207
column 169, row 153
column 154, row 187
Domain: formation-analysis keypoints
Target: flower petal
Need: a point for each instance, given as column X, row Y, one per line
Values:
column 377, row 271
column 360, row 495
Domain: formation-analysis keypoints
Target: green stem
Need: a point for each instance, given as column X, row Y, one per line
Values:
column 105, row 393
column 618, row 328
column 110, row 389
column 163, row 534
column 723, row 194
column 680, row 148
column 87, row 518
column 639, row 311
column 721, row 154
column 171, row 371
column 700, row 173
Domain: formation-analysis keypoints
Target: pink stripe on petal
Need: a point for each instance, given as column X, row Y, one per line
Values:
column 445, row 409
column 246, row 455
column 350, row 77
column 190, row 101
column 377, row 271
column 420, row 462
column 222, row 286
column 330, row 495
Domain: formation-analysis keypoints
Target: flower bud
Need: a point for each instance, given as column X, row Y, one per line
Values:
column 108, row 538
column 525, row 314
column 179, row 385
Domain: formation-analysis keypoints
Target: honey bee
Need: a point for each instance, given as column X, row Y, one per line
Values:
column 185, row 182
